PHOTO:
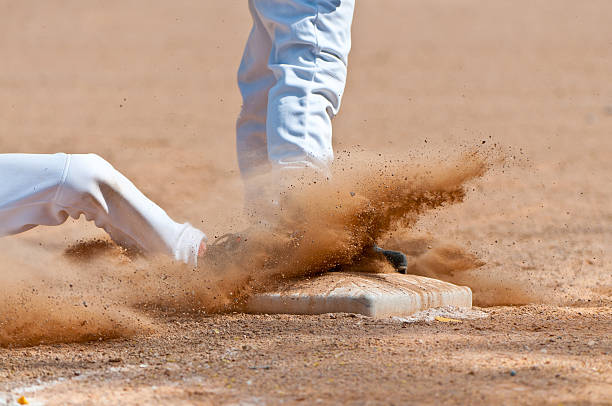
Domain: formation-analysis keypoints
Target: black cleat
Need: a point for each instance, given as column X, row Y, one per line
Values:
column 396, row 258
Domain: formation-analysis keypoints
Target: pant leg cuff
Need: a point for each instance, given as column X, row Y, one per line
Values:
column 188, row 245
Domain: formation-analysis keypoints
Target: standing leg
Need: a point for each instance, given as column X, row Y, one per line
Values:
column 311, row 42
column 292, row 77
column 40, row 189
column 308, row 42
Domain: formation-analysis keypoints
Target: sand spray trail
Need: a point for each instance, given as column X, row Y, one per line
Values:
column 96, row 290
column 321, row 224
column 449, row 262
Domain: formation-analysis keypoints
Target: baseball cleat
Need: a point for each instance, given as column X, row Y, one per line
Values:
column 396, row 258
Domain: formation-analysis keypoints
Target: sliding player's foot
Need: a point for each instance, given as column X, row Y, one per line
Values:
column 224, row 248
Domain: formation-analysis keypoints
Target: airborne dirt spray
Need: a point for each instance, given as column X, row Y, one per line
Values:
column 96, row 290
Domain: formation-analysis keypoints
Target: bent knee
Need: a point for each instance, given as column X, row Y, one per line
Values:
column 86, row 170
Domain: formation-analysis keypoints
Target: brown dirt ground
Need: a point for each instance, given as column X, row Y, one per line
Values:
column 149, row 85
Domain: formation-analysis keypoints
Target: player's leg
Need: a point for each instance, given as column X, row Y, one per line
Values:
column 93, row 187
column 255, row 80
column 311, row 41
column 45, row 189
column 28, row 185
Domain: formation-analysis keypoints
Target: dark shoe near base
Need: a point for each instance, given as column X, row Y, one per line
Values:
column 396, row 258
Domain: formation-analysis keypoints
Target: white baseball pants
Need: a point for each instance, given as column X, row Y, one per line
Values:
column 292, row 78
column 41, row 189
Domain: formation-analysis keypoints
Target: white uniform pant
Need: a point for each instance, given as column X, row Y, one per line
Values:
column 41, row 189
column 292, row 78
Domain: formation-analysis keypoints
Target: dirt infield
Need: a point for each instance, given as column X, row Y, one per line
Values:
column 150, row 86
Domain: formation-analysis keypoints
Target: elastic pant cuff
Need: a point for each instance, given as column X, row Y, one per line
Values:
column 188, row 245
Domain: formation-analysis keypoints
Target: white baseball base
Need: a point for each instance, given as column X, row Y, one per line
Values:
column 374, row 295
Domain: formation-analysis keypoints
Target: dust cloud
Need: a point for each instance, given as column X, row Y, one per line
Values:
column 96, row 290
column 450, row 262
